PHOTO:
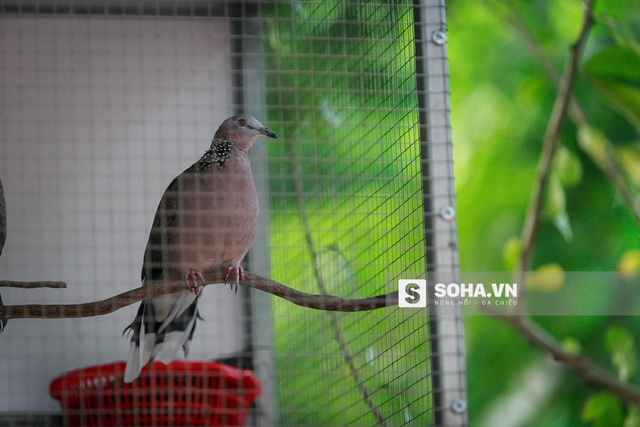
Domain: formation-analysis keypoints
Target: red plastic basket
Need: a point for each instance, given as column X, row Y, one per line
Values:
column 182, row 393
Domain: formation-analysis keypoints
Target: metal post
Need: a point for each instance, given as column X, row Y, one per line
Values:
column 445, row 323
column 249, row 84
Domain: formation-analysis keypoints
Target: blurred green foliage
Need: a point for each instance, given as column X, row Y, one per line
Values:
column 501, row 100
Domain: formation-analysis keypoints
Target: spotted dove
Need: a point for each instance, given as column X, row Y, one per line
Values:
column 207, row 217
column 3, row 237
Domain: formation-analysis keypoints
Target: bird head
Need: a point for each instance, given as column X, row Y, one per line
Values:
column 242, row 130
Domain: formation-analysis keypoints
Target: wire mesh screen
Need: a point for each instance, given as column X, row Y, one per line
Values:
column 102, row 104
column 346, row 193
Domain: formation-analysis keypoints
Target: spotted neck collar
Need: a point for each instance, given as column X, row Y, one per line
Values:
column 218, row 154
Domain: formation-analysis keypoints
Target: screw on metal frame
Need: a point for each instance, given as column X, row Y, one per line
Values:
column 459, row 406
column 447, row 213
column 439, row 37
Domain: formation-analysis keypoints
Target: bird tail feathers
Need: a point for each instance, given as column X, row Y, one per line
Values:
column 3, row 321
column 155, row 336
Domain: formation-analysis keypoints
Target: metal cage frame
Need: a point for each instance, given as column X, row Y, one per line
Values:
column 440, row 239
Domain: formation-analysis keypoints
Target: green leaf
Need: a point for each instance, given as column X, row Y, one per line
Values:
column 594, row 143
column 621, row 10
column 621, row 30
column 547, row 278
column 568, row 167
column 633, row 417
column 629, row 264
column 629, row 159
column 620, row 346
column 563, row 225
column 511, row 253
column 615, row 74
column 555, row 198
column 571, row 346
column 618, row 62
column 603, row 410
column 555, row 207
column 566, row 17
column 623, row 97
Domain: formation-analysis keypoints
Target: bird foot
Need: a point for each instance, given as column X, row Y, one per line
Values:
column 191, row 278
column 239, row 273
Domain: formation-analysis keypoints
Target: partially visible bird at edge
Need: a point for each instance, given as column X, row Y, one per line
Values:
column 207, row 218
column 3, row 238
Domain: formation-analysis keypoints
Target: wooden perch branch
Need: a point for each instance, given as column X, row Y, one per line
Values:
column 31, row 285
column 109, row 305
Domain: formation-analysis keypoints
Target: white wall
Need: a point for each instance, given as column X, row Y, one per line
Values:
column 97, row 115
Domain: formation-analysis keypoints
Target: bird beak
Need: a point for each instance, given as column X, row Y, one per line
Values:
column 267, row 132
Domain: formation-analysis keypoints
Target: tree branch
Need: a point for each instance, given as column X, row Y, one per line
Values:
column 587, row 370
column 550, row 144
column 109, row 305
column 31, row 285
column 531, row 331
column 608, row 165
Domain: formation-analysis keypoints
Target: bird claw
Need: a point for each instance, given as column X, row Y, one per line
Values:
column 239, row 273
column 191, row 278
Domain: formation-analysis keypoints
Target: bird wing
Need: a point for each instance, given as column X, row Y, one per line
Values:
column 165, row 324
column 3, row 218
column 162, row 234
column 3, row 237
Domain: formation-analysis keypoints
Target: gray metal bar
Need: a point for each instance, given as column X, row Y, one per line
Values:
column 445, row 322
column 261, row 337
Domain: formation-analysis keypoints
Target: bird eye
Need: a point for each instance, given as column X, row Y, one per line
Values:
column 242, row 122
